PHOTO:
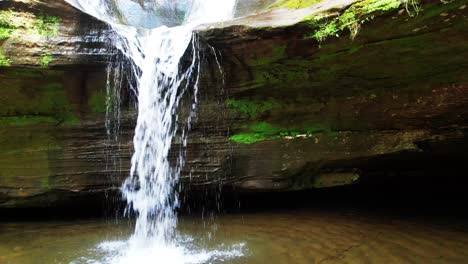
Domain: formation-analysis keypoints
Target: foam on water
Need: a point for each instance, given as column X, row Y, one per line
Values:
column 117, row 253
column 161, row 82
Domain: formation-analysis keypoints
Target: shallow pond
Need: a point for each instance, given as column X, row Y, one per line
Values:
column 297, row 236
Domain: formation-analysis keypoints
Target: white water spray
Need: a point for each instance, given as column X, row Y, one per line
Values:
column 161, row 82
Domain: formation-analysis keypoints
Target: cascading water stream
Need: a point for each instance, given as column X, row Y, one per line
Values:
column 161, row 82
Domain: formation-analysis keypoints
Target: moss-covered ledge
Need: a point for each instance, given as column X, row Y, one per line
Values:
column 36, row 33
column 310, row 88
column 322, row 74
column 52, row 135
column 52, row 108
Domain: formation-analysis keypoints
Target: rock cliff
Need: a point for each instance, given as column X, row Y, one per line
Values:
column 311, row 94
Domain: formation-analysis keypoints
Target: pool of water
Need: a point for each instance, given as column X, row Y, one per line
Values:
column 295, row 236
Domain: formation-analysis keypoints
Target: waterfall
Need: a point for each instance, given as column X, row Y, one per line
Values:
column 161, row 82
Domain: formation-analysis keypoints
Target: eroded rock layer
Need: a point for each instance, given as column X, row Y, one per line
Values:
column 321, row 95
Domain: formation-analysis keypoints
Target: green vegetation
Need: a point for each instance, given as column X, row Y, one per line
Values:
column 277, row 52
column 24, row 72
column 258, row 132
column 47, row 26
column 339, row 73
column 350, row 19
column 264, row 131
column 5, row 32
column 277, row 73
column 47, row 98
column 46, row 59
column 7, row 23
column 296, row 4
column 25, row 120
column 252, row 109
column 55, row 101
column 97, row 103
column 70, row 119
column 3, row 59
column 340, row 63
column 14, row 24
column 248, row 138
column 11, row 21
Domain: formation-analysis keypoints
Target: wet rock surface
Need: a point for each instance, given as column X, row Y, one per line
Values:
column 292, row 109
column 42, row 33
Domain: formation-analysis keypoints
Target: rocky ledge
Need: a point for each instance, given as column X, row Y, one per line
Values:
column 311, row 95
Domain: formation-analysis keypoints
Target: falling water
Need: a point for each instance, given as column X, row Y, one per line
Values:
column 161, row 82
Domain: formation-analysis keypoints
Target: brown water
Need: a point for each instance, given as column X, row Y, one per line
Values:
column 281, row 237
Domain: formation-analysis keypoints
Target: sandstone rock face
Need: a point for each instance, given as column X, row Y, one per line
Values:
column 52, row 78
column 52, row 135
column 317, row 94
column 305, row 99
column 41, row 33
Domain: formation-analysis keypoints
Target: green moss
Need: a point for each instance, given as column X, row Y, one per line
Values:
column 371, row 6
column 5, row 32
column 296, row 4
column 97, row 103
column 31, row 154
column 70, row 119
column 22, row 140
column 47, row 26
column 46, row 59
column 248, row 138
column 252, row 109
column 275, row 53
column 350, row 19
column 334, row 85
column 7, row 23
column 265, row 131
column 4, row 61
column 36, row 96
column 281, row 73
column 25, row 120
column 25, row 23
column 324, row 30
column 24, row 72
column 55, row 101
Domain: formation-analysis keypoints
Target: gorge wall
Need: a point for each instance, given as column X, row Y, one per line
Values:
column 311, row 95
